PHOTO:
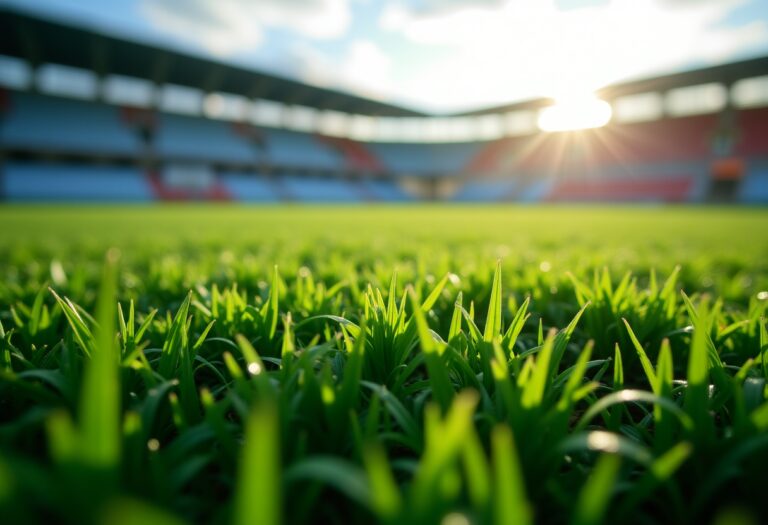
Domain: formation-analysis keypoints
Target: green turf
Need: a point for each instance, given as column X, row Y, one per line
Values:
column 402, row 364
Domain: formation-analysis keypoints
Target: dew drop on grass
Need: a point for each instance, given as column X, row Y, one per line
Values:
column 254, row 368
column 545, row 266
column 762, row 296
column 58, row 276
column 604, row 441
column 328, row 394
column 626, row 395
column 153, row 445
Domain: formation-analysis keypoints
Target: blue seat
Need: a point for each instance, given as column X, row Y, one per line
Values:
column 536, row 191
column 294, row 149
column 423, row 159
column 386, row 191
column 754, row 187
column 486, row 190
column 200, row 139
column 249, row 187
column 53, row 124
column 56, row 182
column 308, row 189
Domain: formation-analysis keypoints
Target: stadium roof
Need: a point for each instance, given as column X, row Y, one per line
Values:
column 724, row 74
column 42, row 41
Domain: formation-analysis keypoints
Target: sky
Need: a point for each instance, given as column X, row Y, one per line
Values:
column 440, row 56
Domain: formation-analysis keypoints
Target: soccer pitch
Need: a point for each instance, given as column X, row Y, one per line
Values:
column 383, row 364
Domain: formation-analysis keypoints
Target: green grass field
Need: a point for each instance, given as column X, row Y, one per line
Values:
column 397, row 365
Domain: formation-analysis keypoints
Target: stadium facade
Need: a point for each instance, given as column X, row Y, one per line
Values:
column 86, row 116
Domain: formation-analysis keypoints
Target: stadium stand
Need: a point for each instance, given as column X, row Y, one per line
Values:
column 58, row 146
column 39, row 123
column 169, row 190
column 310, row 189
column 247, row 187
column 666, row 189
column 754, row 189
column 486, row 190
column 424, row 159
column 384, row 191
column 55, row 182
column 356, row 156
column 191, row 138
column 752, row 133
column 535, row 190
column 300, row 150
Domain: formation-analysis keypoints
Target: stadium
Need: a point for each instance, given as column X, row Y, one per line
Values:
column 152, row 124
column 236, row 291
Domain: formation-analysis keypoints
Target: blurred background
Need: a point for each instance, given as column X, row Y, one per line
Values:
column 365, row 100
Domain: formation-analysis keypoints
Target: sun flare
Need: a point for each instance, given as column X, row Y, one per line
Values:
column 574, row 113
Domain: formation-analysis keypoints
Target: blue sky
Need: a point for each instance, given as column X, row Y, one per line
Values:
column 441, row 55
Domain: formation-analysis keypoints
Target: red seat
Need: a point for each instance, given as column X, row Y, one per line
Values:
column 672, row 139
column 752, row 132
column 667, row 189
column 356, row 155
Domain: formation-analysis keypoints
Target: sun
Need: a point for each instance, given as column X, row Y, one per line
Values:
column 575, row 112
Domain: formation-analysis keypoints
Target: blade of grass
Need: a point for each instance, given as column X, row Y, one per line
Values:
column 258, row 497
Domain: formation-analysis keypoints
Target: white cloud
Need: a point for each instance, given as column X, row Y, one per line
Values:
column 225, row 27
column 368, row 64
column 363, row 68
column 530, row 48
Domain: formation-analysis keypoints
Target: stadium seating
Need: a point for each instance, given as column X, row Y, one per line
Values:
column 666, row 160
column 424, row 159
column 163, row 190
column 534, row 190
column 676, row 139
column 356, row 155
column 754, row 188
column 489, row 157
column 534, row 153
column 311, row 189
column 672, row 139
column 56, row 125
column 752, row 133
column 293, row 149
column 57, row 182
column 383, row 190
column 662, row 189
column 486, row 190
column 249, row 187
column 198, row 139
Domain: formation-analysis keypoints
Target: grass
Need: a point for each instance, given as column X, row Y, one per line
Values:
column 386, row 365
